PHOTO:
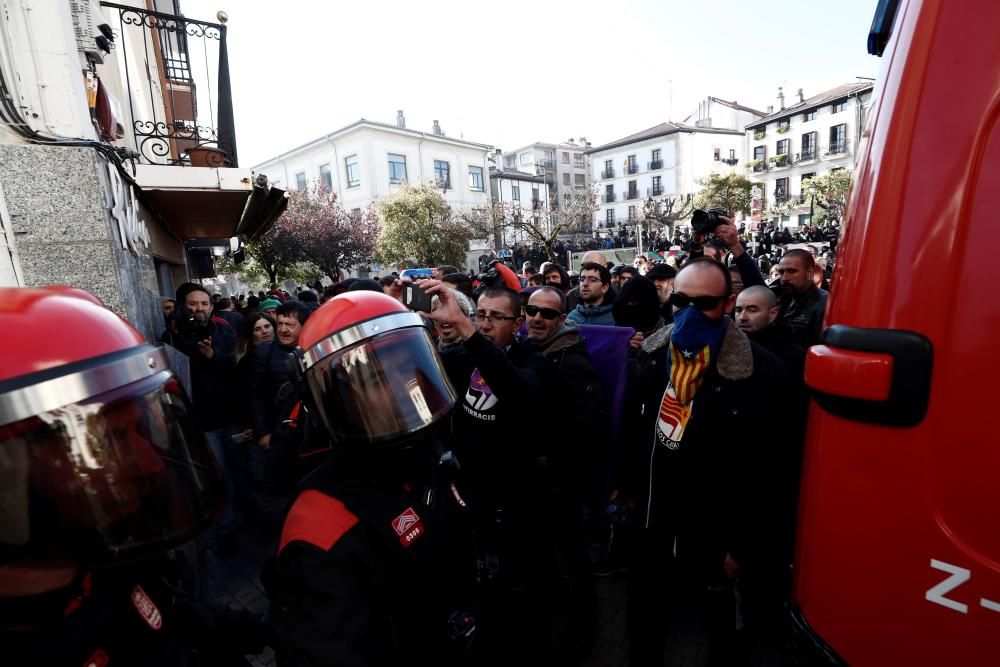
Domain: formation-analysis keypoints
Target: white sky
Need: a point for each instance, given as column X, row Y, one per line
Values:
column 514, row 72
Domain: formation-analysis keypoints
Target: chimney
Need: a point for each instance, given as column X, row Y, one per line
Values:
column 781, row 98
column 801, row 98
column 400, row 119
column 437, row 129
column 770, row 109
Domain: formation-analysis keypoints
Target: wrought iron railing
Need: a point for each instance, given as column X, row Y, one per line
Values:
column 632, row 168
column 608, row 198
column 608, row 173
column 808, row 153
column 837, row 147
column 654, row 191
column 655, row 164
column 632, row 194
column 179, row 94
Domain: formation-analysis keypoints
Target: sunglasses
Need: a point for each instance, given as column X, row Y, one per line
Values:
column 546, row 313
column 682, row 300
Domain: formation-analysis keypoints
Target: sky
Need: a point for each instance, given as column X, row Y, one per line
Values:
column 512, row 73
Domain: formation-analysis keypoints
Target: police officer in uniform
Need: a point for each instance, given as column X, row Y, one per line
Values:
column 103, row 475
column 374, row 565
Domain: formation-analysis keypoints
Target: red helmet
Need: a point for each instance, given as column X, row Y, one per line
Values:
column 373, row 370
column 100, row 457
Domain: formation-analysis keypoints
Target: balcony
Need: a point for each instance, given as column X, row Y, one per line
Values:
column 731, row 161
column 549, row 164
column 608, row 173
column 608, row 198
column 654, row 165
column 632, row 168
column 759, row 134
column 837, row 147
column 757, row 166
column 180, row 106
column 632, row 194
column 780, row 198
column 778, row 161
column 808, row 153
column 654, row 191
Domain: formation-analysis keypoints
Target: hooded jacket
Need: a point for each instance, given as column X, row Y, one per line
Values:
column 601, row 314
column 717, row 492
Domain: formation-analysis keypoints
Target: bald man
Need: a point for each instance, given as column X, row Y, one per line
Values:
column 701, row 468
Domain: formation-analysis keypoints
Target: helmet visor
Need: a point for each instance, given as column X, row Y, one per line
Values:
column 382, row 388
column 121, row 475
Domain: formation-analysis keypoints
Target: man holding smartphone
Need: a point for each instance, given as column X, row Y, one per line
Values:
column 499, row 378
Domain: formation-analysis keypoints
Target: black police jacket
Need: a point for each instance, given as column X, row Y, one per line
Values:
column 369, row 572
column 716, row 492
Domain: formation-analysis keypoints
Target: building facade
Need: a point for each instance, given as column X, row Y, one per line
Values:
column 366, row 161
column 793, row 144
column 565, row 166
column 523, row 195
column 118, row 162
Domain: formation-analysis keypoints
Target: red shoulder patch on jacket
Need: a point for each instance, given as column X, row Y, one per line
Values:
column 316, row 519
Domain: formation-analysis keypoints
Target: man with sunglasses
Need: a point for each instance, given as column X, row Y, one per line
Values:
column 572, row 452
column 700, row 474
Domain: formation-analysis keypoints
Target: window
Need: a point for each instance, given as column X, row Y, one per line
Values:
column 581, row 180
column 718, row 154
column 838, row 138
column 515, row 192
column 781, row 189
column 578, row 160
column 732, row 153
column 565, row 178
column 442, row 174
column 565, row 157
column 326, row 176
column 809, row 146
column 656, row 155
column 610, row 216
column 300, row 180
column 397, row 168
column 550, row 158
column 353, row 171
column 534, row 194
column 783, row 146
column 609, row 169
column 803, row 188
column 356, row 212
column 759, row 152
column 838, row 107
column 524, row 158
column 808, row 116
column 631, row 213
column 633, row 190
column 631, row 165
column 657, row 186
column 476, row 179
column 783, row 125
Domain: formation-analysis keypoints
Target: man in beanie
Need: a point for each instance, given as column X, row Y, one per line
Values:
column 268, row 306
column 663, row 276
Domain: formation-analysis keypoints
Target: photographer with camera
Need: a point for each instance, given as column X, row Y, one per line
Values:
column 210, row 345
column 716, row 225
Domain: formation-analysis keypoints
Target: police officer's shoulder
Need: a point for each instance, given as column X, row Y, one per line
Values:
column 317, row 519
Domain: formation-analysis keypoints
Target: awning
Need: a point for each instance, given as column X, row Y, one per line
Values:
column 209, row 202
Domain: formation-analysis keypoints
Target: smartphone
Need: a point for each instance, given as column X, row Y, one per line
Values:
column 416, row 298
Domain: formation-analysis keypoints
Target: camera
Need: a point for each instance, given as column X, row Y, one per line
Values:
column 705, row 222
column 492, row 277
column 190, row 329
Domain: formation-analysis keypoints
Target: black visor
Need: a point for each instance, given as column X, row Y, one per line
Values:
column 121, row 475
column 382, row 388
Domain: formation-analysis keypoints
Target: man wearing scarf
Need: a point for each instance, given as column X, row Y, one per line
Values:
column 700, row 465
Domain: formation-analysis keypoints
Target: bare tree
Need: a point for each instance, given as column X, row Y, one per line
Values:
column 666, row 212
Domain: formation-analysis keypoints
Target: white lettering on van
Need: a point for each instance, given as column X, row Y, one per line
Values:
column 936, row 594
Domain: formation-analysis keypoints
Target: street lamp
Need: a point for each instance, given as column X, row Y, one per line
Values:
column 812, row 201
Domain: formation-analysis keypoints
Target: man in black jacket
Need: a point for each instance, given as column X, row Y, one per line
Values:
column 499, row 380
column 574, row 450
column 701, row 480
column 802, row 303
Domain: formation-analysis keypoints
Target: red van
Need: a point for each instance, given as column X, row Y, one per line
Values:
column 898, row 555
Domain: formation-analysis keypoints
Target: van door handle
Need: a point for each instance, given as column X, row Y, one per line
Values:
column 879, row 376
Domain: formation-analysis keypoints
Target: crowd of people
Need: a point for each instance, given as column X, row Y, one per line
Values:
column 446, row 483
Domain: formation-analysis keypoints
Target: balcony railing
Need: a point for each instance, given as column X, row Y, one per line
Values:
column 608, row 198
column 731, row 161
column 808, row 153
column 780, row 198
column 836, row 148
column 655, row 164
column 549, row 164
column 608, row 173
column 778, row 161
column 180, row 103
column 632, row 194
column 759, row 166
column 654, row 191
column 632, row 168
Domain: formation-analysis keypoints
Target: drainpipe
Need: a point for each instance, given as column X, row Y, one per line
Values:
column 336, row 163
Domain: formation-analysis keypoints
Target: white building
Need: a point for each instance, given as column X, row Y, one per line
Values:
column 566, row 166
column 526, row 194
column 795, row 143
column 367, row 161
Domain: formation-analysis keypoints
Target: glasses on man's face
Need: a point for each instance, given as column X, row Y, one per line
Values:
column 682, row 300
column 483, row 316
column 590, row 279
column 546, row 313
